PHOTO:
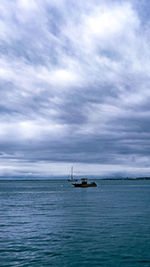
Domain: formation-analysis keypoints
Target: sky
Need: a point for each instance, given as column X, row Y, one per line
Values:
column 74, row 87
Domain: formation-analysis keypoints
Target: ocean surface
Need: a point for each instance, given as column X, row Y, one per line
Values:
column 51, row 223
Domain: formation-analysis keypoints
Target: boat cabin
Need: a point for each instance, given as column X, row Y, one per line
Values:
column 84, row 180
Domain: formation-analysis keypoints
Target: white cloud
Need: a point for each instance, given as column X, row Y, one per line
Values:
column 50, row 169
column 32, row 130
column 29, row 5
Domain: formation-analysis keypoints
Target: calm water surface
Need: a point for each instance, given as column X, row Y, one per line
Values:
column 50, row 223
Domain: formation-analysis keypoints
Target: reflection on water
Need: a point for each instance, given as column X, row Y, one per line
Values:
column 50, row 223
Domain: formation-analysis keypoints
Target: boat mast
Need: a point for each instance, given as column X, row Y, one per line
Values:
column 72, row 173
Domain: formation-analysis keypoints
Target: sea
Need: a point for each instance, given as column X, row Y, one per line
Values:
column 51, row 223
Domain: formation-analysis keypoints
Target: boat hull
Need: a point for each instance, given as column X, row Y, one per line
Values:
column 85, row 185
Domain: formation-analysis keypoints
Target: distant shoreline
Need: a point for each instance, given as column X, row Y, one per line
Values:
column 65, row 179
column 138, row 178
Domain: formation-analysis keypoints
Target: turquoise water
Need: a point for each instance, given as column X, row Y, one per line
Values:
column 50, row 223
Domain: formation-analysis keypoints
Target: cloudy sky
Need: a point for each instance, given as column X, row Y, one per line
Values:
column 74, row 87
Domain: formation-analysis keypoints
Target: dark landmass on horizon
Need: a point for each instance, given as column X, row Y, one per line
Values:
column 127, row 178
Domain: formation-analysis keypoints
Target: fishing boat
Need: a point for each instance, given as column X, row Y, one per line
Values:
column 72, row 179
column 84, row 183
